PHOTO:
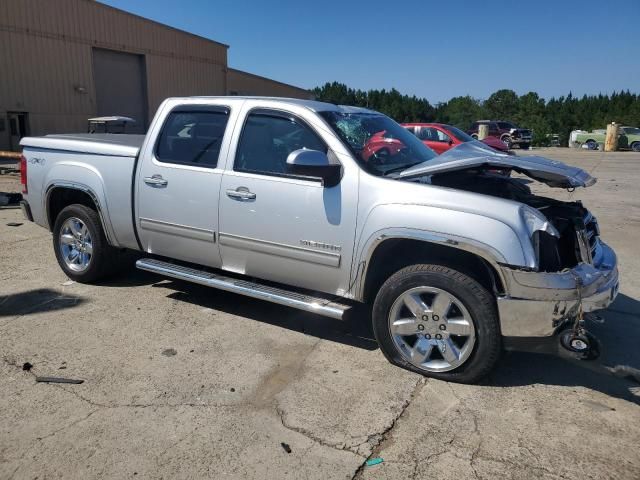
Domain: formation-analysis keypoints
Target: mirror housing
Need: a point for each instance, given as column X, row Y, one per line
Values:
column 314, row 163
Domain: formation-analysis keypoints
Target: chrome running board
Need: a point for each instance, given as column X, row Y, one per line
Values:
column 321, row 306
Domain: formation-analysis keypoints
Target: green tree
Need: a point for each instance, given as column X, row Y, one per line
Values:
column 460, row 111
column 502, row 105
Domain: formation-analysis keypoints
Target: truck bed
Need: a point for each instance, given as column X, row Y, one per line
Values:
column 119, row 145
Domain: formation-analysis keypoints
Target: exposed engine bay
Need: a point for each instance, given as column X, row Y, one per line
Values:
column 578, row 229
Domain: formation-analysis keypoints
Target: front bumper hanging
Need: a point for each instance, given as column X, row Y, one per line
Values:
column 538, row 303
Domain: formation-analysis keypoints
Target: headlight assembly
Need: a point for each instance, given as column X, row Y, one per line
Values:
column 536, row 221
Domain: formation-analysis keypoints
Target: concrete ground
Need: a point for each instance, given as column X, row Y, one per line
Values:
column 181, row 381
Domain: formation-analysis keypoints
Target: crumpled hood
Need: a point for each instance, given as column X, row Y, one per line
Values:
column 471, row 155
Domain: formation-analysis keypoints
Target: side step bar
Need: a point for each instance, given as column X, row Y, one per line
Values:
column 321, row 306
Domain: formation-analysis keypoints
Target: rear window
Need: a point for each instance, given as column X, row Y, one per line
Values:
column 192, row 138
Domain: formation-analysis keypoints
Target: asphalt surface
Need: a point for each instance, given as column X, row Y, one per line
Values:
column 181, row 381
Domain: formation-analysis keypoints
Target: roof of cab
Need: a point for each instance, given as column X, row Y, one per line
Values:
column 313, row 105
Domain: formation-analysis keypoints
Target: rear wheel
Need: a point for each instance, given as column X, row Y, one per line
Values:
column 438, row 322
column 506, row 139
column 635, row 146
column 524, row 146
column 81, row 247
column 591, row 144
column 474, row 135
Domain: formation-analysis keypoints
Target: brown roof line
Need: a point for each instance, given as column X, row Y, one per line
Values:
column 148, row 20
column 268, row 79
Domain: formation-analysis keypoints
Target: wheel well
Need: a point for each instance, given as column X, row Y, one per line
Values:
column 62, row 197
column 395, row 254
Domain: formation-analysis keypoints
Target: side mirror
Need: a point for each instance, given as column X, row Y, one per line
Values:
column 313, row 163
column 450, row 142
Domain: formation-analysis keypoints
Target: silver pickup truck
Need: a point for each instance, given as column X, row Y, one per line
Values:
column 323, row 207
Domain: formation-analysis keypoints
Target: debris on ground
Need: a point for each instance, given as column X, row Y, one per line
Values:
column 14, row 224
column 169, row 352
column 374, row 461
column 9, row 198
column 626, row 372
column 26, row 366
column 67, row 283
column 286, row 447
column 58, row 380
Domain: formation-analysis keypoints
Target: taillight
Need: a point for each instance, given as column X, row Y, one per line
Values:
column 23, row 174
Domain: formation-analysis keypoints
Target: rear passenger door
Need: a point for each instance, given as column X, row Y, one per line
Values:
column 178, row 185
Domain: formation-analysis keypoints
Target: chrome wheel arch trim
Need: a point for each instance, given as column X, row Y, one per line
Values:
column 102, row 213
column 360, row 269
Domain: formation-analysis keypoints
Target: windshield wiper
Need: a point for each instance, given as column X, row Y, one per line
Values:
column 400, row 169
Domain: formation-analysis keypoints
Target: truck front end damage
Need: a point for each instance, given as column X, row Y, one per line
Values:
column 573, row 271
column 540, row 304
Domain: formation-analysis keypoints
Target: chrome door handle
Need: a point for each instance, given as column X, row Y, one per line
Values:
column 156, row 181
column 241, row 193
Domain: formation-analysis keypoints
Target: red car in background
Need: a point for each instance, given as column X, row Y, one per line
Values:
column 440, row 137
column 381, row 145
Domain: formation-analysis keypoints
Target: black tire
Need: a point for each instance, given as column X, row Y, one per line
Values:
column 475, row 136
column 635, row 146
column 592, row 144
column 506, row 139
column 105, row 259
column 476, row 299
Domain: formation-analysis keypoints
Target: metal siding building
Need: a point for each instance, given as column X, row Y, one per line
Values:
column 244, row 83
column 64, row 61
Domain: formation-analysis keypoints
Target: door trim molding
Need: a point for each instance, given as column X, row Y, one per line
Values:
column 280, row 250
column 169, row 228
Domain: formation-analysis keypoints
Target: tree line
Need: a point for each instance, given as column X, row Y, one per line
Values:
column 554, row 116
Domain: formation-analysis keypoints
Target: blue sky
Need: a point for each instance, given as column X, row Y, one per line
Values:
column 431, row 49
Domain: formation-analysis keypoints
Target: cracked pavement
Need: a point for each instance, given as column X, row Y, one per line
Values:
column 248, row 376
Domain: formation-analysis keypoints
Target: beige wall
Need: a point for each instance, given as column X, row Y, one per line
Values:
column 45, row 53
column 244, row 83
column 46, row 64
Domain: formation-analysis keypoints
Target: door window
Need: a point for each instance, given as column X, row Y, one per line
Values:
column 192, row 138
column 267, row 140
column 428, row 134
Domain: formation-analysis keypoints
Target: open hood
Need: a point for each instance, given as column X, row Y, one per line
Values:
column 471, row 155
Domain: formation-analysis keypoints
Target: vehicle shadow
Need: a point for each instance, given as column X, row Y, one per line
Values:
column 352, row 331
column 614, row 373
column 35, row 301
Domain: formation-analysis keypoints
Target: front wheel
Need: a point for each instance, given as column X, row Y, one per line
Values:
column 506, row 139
column 635, row 146
column 438, row 322
column 524, row 146
column 80, row 245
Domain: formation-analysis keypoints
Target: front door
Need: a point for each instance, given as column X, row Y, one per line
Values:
column 178, row 185
column 282, row 227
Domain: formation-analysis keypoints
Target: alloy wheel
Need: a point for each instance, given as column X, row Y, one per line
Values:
column 432, row 329
column 76, row 244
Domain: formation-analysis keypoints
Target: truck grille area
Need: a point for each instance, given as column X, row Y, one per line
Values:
column 592, row 235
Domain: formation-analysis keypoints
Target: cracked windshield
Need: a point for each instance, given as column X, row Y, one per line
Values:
column 380, row 144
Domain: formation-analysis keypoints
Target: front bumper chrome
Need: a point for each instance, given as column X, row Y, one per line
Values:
column 539, row 302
